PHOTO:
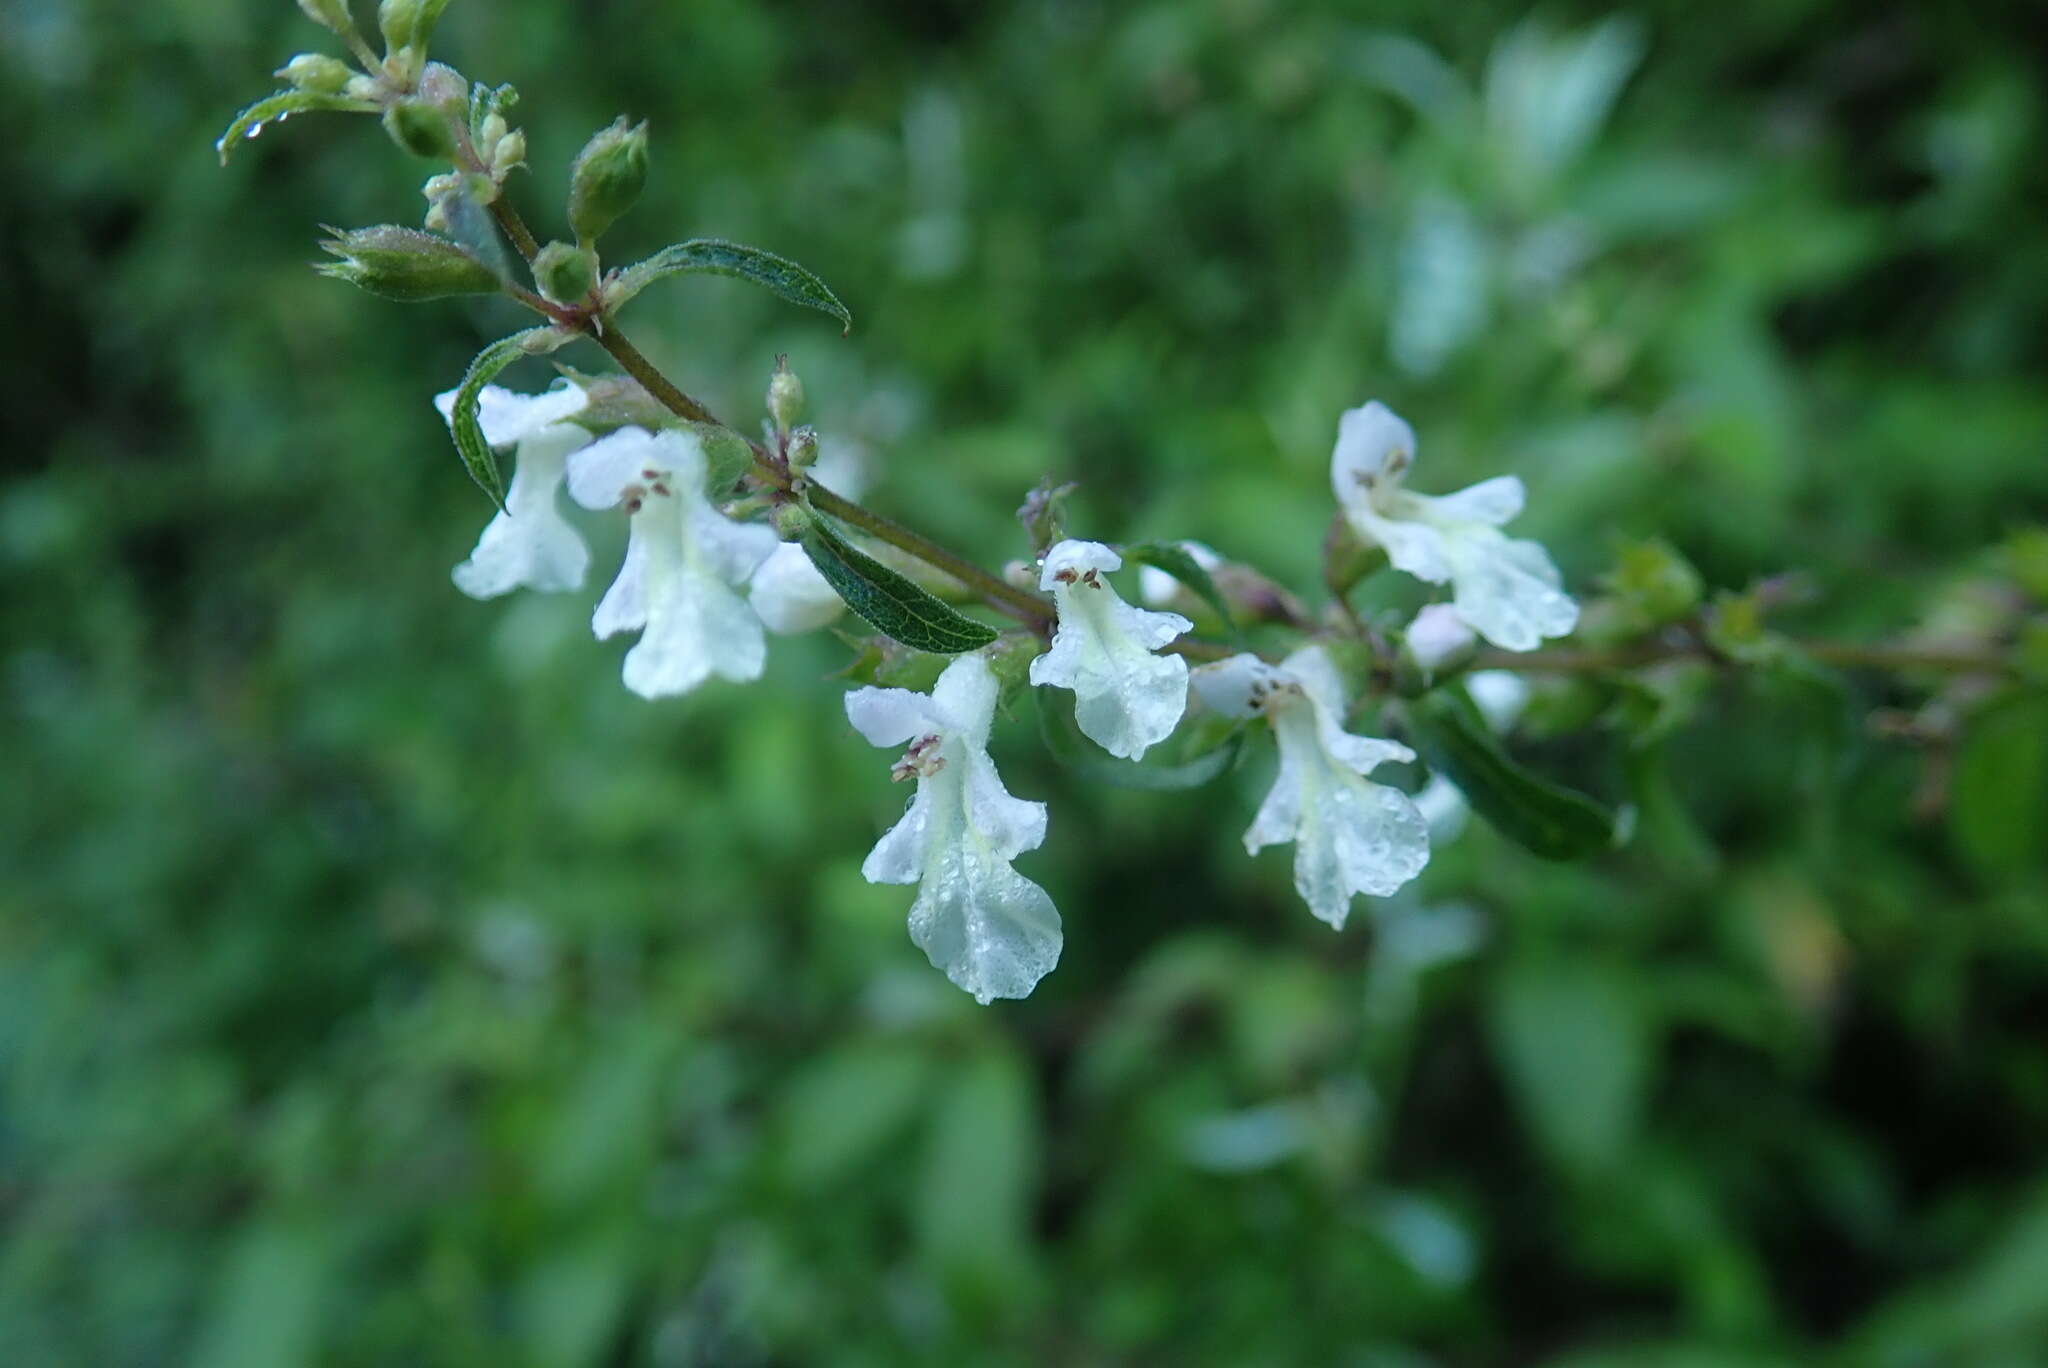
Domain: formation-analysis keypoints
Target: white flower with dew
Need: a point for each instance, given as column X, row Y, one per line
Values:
column 1350, row 835
column 1126, row 699
column 1158, row 589
column 1506, row 590
column 685, row 563
column 529, row 543
column 787, row 591
column 993, row 931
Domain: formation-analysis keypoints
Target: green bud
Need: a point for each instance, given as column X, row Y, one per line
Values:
column 785, row 395
column 317, row 72
column 331, row 15
column 508, row 152
column 405, row 264
column 1655, row 583
column 408, row 23
column 421, row 130
column 564, row 273
column 607, row 178
column 802, row 452
column 791, row 521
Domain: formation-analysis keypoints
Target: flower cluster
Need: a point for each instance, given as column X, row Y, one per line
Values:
column 703, row 587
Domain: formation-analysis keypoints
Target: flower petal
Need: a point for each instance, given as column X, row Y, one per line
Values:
column 992, row 931
column 1373, row 444
column 530, row 544
column 1237, row 686
column 1126, row 699
column 507, row 416
column 891, row 717
column 600, row 473
column 1507, row 589
column 790, row 595
column 1495, row 501
column 965, row 697
column 1437, row 634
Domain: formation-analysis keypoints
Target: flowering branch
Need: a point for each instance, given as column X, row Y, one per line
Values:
column 733, row 538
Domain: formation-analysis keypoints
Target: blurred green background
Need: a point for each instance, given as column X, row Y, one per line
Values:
column 381, row 983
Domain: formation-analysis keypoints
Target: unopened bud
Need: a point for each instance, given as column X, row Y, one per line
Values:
column 408, row 23
column 791, row 521
column 508, row 152
column 1439, row 641
column 331, row 15
column 405, row 264
column 491, row 129
column 803, row 448
column 607, row 178
column 785, row 395
column 564, row 273
column 317, row 72
column 421, row 130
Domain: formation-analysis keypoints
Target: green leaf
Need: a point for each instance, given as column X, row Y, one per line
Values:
column 2000, row 794
column 277, row 108
column 888, row 602
column 1575, row 1042
column 977, row 1176
column 1175, row 560
column 712, row 256
column 1063, row 738
column 462, row 420
column 1554, row 822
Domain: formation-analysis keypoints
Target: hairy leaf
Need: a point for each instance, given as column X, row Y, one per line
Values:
column 476, row 454
column 1175, row 560
column 278, row 107
column 888, row 602
column 1554, row 822
column 711, row 256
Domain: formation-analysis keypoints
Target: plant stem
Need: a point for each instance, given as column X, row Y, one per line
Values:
column 608, row 336
column 1843, row 655
column 1032, row 610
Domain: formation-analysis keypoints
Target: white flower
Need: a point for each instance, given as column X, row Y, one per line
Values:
column 1507, row 590
column 1437, row 635
column 1350, row 835
column 684, row 563
column 530, row 543
column 788, row 592
column 1157, row 589
column 1126, row 699
column 993, row 931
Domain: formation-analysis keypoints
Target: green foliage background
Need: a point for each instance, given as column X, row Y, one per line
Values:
column 381, row 983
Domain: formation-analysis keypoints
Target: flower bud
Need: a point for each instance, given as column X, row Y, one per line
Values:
column 405, row 264
column 607, row 178
column 408, row 23
column 421, row 130
column 564, row 273
column 331, row 15
column 317, row 72
column 491, row 129
column 785, row 395
column 803, row 448
column 791, row 521
column 508, row 152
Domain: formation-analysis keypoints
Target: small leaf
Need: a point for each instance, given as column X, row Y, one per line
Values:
column 279, row 107
column 888, row 602
column 1176, row 561
column 1577, row 1044
column 1552, row 821
column 462, row 420
column 714, row 257
column 1063, row 738
column 2000, row 795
